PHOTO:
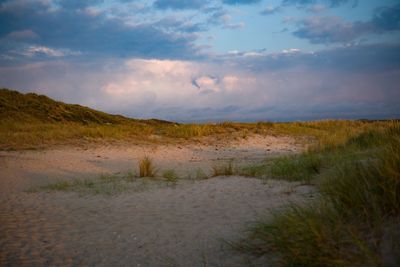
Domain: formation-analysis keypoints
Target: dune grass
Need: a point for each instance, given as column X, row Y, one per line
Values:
column 18, row 134
column 111, row 184
column 33, row 134
column 146, row 167
column 31, row 121
column 170, row 176
column 106, row 184
column 223, row 170
column 356, row 221
column 291, row 168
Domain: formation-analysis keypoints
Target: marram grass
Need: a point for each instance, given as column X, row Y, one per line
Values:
column 355, row 222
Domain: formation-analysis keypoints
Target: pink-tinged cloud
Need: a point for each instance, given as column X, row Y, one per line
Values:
column 22, row 35
column 279, row 86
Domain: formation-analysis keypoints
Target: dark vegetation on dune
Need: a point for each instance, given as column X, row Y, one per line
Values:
column 33, row 108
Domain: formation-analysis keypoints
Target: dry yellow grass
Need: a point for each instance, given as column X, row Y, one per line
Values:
column 30, row 121
column 146, row 168
column 16, row 135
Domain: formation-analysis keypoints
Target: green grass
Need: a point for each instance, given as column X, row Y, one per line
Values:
column 301, row 167
column 106, row 184
column 170, row 176
column 223, row 170
column 297, row 167
column 356, row 221
column 321, row 156
column 199, row 174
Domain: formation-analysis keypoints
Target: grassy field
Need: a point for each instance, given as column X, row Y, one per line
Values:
column 355, row 222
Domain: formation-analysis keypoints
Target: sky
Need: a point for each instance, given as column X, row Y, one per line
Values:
column 208, row 60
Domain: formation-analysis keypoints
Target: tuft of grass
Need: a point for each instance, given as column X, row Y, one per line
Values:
column 223, row 170
column 59, row 186
column 260, row 170
column 106, row 184
column 192, row 130
column 357, row 217
column 146, row 168
column 200, row 174
column 170, row 176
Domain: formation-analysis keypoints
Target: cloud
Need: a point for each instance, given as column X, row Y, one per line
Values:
column 291, row 50
column 317, row 8
column 22, row 35
column 206, row 84
column 270, row 10
column 387, row 18
column 240, row 2
column 331, row 29
column 233, row 26
column 351, row 59
column 231, row 82
column 75, row 4
column 220, row 17
column 347, row 82
column 332, row 3
column 179, row 4
column 173, row 25
column 42, row 50
column 334, row 29
column 92, row 34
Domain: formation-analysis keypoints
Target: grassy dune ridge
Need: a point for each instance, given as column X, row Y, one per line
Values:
column 31, row 121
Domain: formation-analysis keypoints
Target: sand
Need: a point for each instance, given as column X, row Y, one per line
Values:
column 183, row 225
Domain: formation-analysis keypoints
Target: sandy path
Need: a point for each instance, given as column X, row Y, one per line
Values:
column 172, row 226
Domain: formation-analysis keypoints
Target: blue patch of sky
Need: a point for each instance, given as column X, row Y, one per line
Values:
column 259, row 32
column 271, row 33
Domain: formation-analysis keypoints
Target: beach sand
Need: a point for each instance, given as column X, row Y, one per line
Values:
column 187, row 224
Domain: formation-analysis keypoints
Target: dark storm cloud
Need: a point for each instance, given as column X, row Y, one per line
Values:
column 89, row 32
